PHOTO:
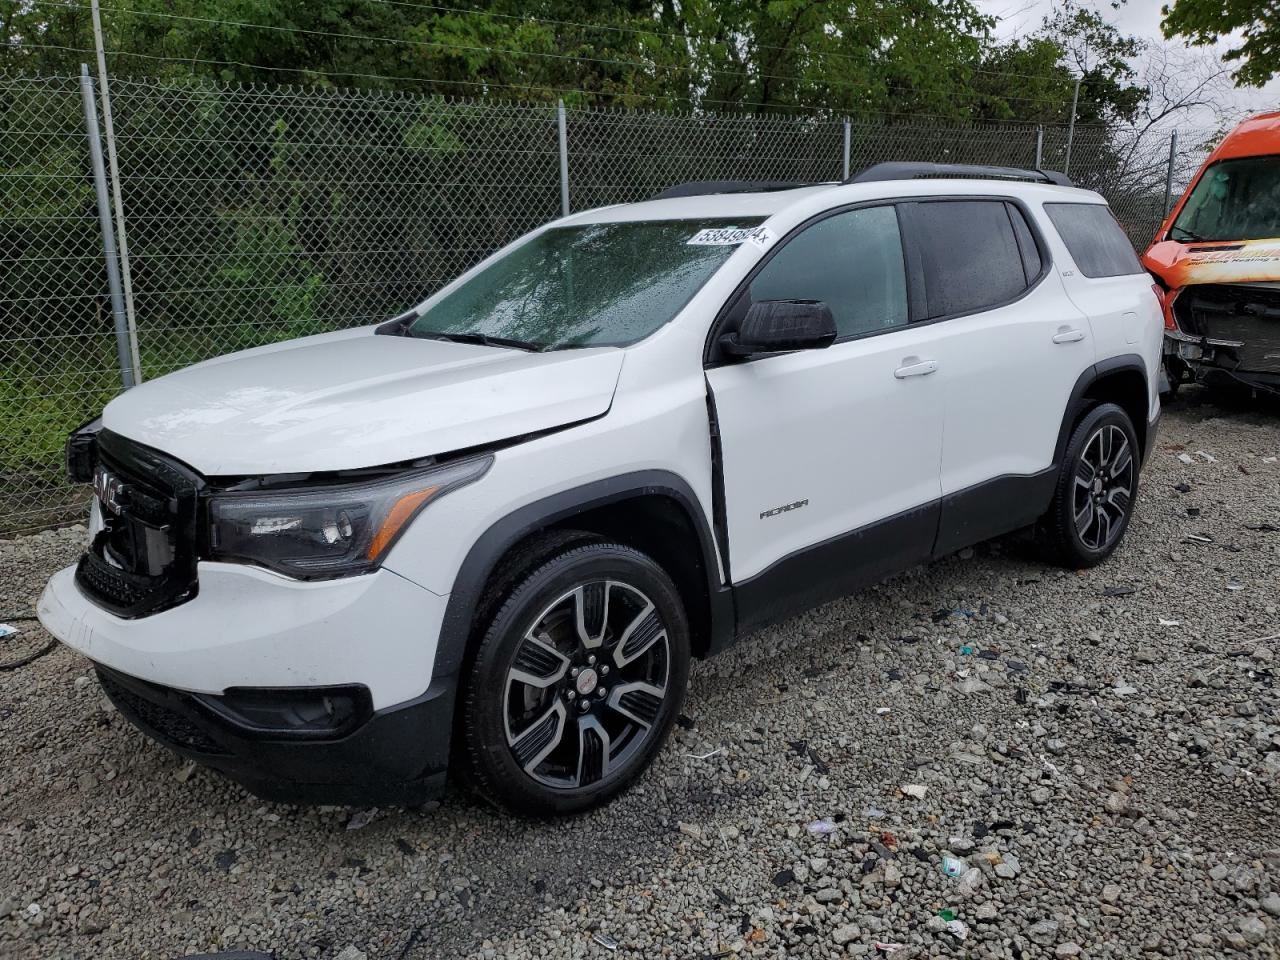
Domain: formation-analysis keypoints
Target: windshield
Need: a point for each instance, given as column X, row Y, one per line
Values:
column 1234, row 200
column 599, row 284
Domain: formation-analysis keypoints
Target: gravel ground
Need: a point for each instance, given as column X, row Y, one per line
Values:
column 1095, row 755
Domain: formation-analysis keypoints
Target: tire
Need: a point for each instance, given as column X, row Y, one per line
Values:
column 576, row 681
column 1096, row 491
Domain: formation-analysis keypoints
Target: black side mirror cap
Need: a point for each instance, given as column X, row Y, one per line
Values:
column 779, row 326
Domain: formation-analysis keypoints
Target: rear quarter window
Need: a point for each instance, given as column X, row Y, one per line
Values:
column 1096, row 242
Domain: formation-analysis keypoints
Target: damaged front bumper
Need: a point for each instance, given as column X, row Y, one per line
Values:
column 321, row 745
column 1225, row 332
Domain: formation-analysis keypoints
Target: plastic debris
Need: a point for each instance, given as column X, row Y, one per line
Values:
column 958, row 929
column 947, row 914
column 1198, row 538
column 1208, row 457
column 914, row 790
column 1235, row 586
column 705, row 756
column 875, row 813
column 5, row 629
column 1186, row 458
column 362, row 818
column 821, row 827
column 881, row 711
column 885, row 947
column 606, row 941
column 953, row 866
column 1170, row 623
column 966, row 651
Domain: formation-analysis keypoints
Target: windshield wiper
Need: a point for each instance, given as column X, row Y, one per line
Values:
column 483, row 339
column 1188, row 234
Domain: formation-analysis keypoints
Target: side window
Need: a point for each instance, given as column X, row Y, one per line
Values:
column 1097, row 244
column 852, row 261
column 1031, row 262
column 971, row 256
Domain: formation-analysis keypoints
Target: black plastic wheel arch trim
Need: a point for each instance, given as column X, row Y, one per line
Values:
column 1078, row 403
column 484, row 555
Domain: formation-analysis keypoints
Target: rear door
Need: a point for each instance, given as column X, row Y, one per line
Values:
column 829, row 457
column 1010, row 347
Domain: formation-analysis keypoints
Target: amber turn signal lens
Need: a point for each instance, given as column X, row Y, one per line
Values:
column 397, row 517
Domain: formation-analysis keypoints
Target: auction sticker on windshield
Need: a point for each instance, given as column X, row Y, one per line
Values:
column 729, row 236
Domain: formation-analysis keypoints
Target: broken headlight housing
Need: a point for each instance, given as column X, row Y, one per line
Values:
column 330, row 530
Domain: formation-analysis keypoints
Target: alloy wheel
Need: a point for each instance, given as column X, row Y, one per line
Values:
column 1104, row 486
column 587, row 684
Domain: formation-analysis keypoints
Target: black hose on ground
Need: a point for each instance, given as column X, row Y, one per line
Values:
column 7, row 665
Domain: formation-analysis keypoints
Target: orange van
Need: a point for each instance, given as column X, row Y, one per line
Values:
column 1217, row 260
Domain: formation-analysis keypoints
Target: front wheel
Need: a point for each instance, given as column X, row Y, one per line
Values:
column 576, row 681
column 1096, row 491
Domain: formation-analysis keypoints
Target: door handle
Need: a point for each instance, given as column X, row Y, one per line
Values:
column 917, row 368
column 1068, row 336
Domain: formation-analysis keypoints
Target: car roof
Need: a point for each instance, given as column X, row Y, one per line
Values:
column 765, row 204
column 1257, row 136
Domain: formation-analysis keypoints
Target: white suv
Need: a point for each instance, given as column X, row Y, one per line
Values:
column 489, row 535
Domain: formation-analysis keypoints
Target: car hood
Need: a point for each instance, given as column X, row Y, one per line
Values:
column 355, row 399
column 1232, row 261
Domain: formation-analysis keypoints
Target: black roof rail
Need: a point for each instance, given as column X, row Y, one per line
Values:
column 914, row 171
column 703, row 188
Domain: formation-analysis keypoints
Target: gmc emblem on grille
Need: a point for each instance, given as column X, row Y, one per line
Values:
column 109, row 490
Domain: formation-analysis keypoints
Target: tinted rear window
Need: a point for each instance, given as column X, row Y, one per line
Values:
column 971, row 256
column 1097, row 244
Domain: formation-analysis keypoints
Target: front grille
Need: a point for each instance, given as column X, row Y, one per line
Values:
column 1243, row 314
column 144, row 558
column 163, row 722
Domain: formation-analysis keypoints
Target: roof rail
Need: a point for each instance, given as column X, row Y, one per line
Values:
column 702, row 188
column 915, row 171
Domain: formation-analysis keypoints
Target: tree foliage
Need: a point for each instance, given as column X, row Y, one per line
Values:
column 857, row 58
column 1203, row 22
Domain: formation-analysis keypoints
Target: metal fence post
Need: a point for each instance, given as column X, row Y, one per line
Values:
column 108, row 129
column 1039, row 146
column 1071, row 127
column 108, row 235
column 1168, row 176
column 848, row 144
column 564, row 159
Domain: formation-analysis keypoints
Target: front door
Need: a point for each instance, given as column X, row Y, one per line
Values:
column 830, row 457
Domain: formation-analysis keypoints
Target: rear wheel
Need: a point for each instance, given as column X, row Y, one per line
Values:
column 576, row 681
column 1096, row 491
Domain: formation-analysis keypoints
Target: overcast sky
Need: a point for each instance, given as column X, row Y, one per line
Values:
column 1137, row 17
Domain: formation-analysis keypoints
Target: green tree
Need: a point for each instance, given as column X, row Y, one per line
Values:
column 1203, row 22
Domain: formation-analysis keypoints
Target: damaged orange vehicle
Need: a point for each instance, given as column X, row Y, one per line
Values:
column 1217, row 260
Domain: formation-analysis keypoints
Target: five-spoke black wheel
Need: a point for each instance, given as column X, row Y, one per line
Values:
column 577, row 680
column 1096, row 490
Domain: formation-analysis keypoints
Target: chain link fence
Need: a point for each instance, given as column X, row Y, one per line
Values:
column 256, row 214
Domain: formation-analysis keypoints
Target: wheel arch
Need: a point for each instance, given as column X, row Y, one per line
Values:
column 654, row 511
column 1120, row 380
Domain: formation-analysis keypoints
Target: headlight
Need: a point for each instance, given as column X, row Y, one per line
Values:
column 328, row 531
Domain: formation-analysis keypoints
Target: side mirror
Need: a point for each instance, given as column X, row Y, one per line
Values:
column 777, row 326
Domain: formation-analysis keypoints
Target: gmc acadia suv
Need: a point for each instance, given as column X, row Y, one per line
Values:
column 490, row 534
